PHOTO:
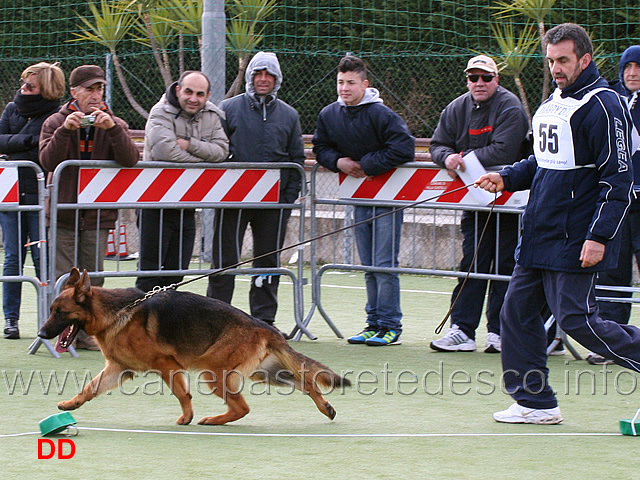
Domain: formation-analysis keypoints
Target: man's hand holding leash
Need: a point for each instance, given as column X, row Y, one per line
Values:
column 592, row 251
column 491, row 182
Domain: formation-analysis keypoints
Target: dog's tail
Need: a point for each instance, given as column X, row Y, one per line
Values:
column 301, row 365
column 285, row 366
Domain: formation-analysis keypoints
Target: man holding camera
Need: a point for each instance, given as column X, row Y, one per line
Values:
column 84, row 129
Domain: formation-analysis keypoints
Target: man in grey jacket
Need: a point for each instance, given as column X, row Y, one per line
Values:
column 261, row 128
column 491, row 122
column 185, row 127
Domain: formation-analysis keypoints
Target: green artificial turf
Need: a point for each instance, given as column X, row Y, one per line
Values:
column 391, row 424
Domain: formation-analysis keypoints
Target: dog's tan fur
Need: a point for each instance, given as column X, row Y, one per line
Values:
column 223, row 343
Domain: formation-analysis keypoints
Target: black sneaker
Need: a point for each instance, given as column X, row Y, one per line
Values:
column 11, row 331
column 595, row 359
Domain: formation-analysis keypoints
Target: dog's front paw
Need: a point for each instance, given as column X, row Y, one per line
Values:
column 68, row 405
column 184, row 419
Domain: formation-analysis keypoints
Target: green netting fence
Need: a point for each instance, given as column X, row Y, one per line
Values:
column 416, row 49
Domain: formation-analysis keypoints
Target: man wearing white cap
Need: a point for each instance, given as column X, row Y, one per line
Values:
column 489, row 121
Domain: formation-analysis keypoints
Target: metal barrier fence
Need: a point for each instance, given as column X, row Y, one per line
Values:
column 10, row 203
column 105, row 185
column 430, row 240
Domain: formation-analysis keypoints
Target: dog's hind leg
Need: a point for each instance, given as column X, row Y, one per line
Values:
column 226, row 385
column 323, row 405
column 311, row 388
column 109, row 378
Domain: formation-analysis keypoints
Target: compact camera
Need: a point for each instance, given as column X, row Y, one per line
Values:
column 88, row 120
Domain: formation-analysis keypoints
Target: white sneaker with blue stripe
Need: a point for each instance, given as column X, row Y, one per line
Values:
column 454, row 341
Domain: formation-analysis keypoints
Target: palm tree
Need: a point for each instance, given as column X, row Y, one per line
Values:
column 516, row 54
column 536, row 10
column 145, row 9
column 243, row 34
column 185, row 16
column 111, row 23
column 162, row 21
column 599, row 55
column 162, row 31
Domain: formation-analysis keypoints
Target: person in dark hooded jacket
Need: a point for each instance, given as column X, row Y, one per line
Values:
column 38, row 98
column 261, row 128
column 628, row 86
column 184, row 127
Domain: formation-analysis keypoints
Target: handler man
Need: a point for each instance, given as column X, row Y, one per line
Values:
column 580, row 178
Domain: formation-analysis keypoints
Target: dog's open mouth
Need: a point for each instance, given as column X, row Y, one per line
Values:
column 66, row 338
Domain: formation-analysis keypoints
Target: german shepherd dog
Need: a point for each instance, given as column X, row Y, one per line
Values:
column 172, row 332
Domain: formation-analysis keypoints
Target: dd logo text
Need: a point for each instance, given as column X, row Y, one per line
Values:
column 47, row 449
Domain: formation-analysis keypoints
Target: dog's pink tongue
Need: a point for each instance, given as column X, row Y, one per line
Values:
column 63, row 336
column 59, row 347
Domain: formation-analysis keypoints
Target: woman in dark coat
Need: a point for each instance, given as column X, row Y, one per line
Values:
column 42, row 87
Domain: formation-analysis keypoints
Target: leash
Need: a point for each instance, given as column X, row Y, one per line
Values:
column 473, row 261
column 175, row 286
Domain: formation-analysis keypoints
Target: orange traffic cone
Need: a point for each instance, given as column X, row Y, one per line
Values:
column 111, row 245
column 122, row 250
column 122, row 247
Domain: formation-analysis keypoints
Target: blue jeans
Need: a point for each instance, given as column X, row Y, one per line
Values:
column 17, row 230
column 378, row 245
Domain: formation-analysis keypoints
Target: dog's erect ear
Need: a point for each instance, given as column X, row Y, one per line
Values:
column 83, row 288
column 74, row 276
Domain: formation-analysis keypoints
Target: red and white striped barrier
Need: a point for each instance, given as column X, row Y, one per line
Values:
column 9, row 185
column 175, row 185
column 417, row 184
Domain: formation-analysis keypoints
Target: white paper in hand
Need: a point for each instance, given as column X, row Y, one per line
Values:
column 474, row 170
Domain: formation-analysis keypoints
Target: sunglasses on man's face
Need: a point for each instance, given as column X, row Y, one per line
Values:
column 29, row 86
column 473, row 78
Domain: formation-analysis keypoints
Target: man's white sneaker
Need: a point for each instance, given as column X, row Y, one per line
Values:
column 454, row 341
column 519, row 414
column 493, row 344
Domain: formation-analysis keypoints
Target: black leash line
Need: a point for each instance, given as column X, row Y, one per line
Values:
column 174, row 286
column 466, row 277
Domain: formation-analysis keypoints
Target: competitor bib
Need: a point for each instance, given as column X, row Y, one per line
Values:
column 552, row 134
